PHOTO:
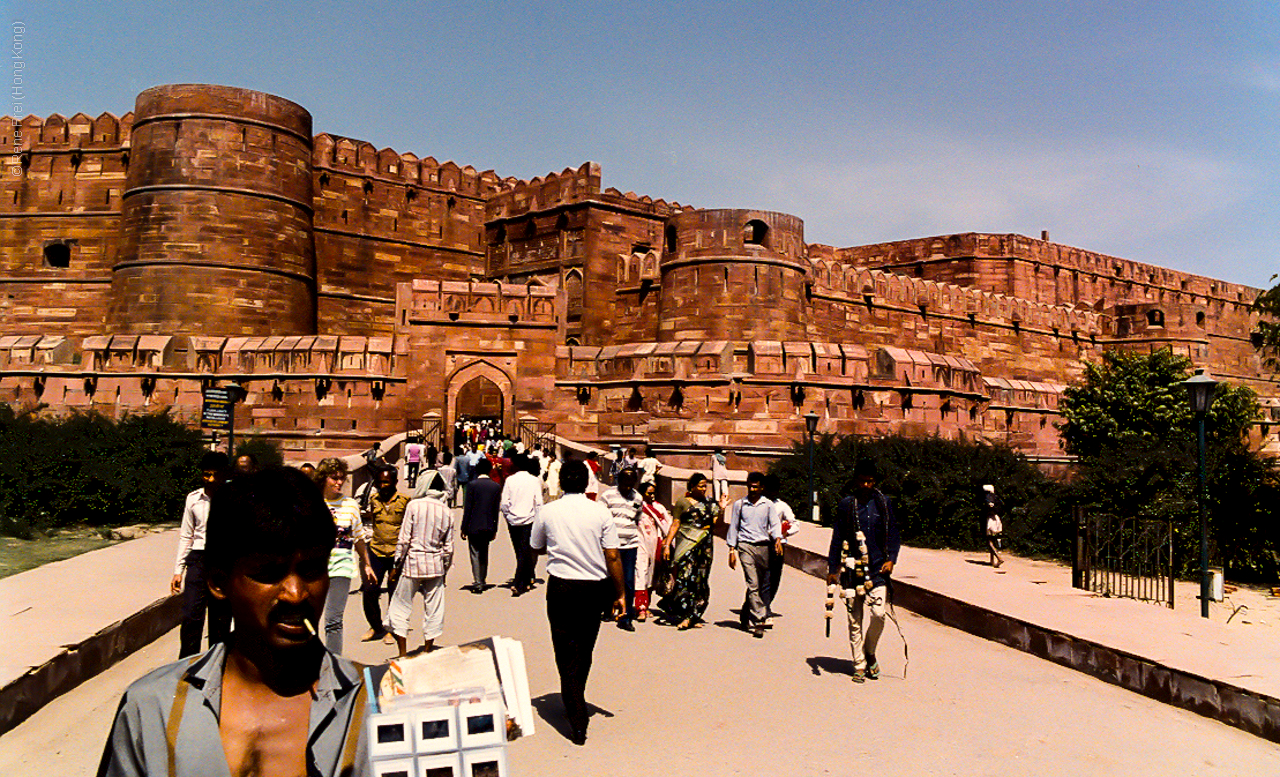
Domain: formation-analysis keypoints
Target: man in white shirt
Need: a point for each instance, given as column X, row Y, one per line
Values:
column 584, row 574
column 188, row 574
column 521, row 501
column 625, row 504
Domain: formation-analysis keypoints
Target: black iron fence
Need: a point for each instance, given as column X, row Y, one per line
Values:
column 536, row 433
column 1124, row 557
column 427, row 431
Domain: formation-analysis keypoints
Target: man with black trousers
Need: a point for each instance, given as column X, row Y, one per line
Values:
column 584, row 579
column 480, row 522
column 521, row 501
column 189, row 574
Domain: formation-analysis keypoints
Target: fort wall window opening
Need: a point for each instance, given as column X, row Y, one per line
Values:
column 754, row 232
column 57, row 255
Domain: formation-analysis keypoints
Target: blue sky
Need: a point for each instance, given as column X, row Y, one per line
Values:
column 1140, row 129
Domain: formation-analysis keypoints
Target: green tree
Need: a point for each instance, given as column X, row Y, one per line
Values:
column 89, row 469
column 265, row 451
column 1136, row 398
column 936, row 485
column 1267, row 332
column 1131, row 425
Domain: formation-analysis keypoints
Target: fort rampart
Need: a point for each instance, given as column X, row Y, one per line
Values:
column 356, row 292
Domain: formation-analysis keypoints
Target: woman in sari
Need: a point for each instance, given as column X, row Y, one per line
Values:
column 689, row 543
column 654, row 523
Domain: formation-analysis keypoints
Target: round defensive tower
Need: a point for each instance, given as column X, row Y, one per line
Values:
column 216, row 216
column 733, row 275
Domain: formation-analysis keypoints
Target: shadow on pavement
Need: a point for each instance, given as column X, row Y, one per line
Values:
column 551, row 710
column 830, row 665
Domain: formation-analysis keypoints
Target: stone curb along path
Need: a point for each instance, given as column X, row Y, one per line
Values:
column 69, row 620
column 1201, row 666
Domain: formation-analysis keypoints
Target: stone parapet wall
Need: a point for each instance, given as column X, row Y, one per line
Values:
column 60, row 200
column 691, row 396
column 383, row 218
column 310, row 394
column 1046, row 271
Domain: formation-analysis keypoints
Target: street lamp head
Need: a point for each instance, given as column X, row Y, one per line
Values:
column 1200, row 388
column 237, row 391
column 811, row 422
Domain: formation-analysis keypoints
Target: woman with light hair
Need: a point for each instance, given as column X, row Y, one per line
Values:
column 349, row 552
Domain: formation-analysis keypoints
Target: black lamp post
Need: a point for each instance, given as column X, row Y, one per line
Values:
column 236, row 392
column 1200, row 390
column 811, row 426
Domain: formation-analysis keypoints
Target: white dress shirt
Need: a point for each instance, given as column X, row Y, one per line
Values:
column 575, row 532
column 521, row 498
column 195, row 520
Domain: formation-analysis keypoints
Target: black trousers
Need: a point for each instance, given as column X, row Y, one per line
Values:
column 574, row 608
column 478, row 545
column 524, row 555
column 371, row 593
column 196, row 603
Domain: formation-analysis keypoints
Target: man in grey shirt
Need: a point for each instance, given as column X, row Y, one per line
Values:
column 754, row 526
column 271, row 700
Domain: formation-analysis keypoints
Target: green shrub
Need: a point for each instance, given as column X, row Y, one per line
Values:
column 265, row 451
column 936, row 485
column 89, row 469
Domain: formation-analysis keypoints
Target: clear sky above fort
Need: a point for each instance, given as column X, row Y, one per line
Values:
column 1143, row 130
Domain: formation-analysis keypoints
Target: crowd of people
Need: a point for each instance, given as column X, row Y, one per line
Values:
column 615, row 553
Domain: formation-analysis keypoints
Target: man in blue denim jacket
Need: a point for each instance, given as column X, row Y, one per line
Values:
column 867, row 511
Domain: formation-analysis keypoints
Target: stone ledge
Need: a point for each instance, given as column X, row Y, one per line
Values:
column 25, row 695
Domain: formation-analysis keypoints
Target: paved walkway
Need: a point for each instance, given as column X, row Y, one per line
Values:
column 1229, row 671
column 713, row 701
column 67, row 621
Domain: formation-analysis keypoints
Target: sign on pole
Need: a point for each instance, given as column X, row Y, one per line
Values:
column 218, row 410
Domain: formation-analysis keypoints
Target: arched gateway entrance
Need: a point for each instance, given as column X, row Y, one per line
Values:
column 479, row 398
column 481, row 391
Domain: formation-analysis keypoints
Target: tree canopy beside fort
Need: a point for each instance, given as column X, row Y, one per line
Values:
column 1131, row 425
column 1267, row 333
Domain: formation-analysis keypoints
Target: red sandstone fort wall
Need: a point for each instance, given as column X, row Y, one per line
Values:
column 1142, row 307
column 688, row 328
column 61, row 188
column 384, row 218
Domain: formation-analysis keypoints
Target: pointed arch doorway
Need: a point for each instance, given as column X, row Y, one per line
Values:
column 479, row 398
column 481, row 391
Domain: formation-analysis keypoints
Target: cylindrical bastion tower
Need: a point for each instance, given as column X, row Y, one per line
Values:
column 733, row 275
column 217, row 216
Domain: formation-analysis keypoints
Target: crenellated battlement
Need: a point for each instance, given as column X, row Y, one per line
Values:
column 56, row 132
column 543, row 192
column 632, row 200
column 853, row 286
column 358, row 157
column 906, row 255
